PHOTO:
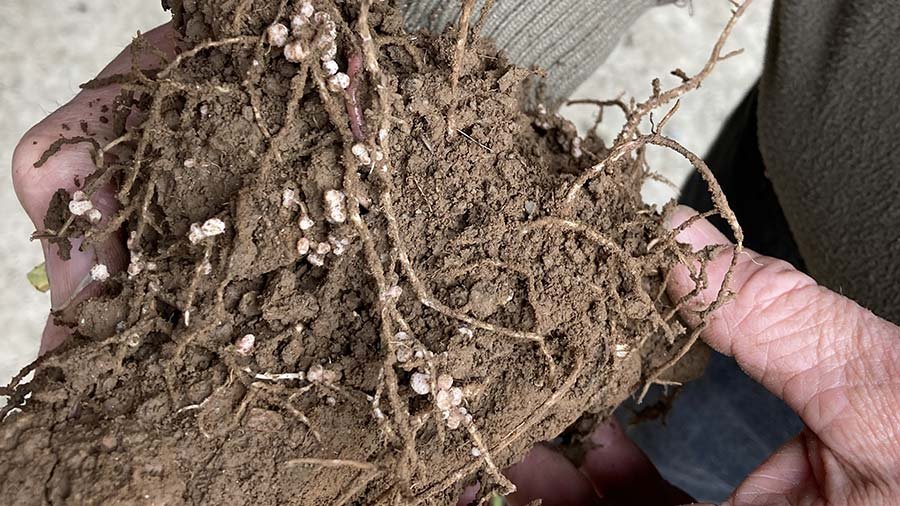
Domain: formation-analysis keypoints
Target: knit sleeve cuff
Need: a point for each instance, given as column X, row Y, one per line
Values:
column 567, row 38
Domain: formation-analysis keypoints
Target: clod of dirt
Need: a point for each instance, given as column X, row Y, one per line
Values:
column 361, row 272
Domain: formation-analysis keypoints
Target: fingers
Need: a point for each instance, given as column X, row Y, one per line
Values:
column 785, row 477
column 548, row 475
column 835, row 363
column 614, row 472
column 87, row 115
column 622, row 474
column 613, row 462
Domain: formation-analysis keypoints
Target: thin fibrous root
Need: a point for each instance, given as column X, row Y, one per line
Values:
column 660, row 98
column 239, row 12
column 381, row 84
column 503, row 331
column 459, row 56
column 59, row 143
column 362, row 481
column 276, row 145
column 614, row 156
column 301, row 416
column 462, row 38
column 482, row 19
column 394, row 232
column 285, row 376
column 419, row 288
column 239, row 40
column 601, row 106
column 195, row 282
column 427, row 361
column 154, row 114
column 398, row 408
column 354, row 464
column 698, row 276
column 426, row 300
column 536, row 416
column 722, row 297
column 718, row 196
column 257, row 69
column 15, row 391
column 485, row 455
column 377, row 413
column 724, row 293
column 667, row 117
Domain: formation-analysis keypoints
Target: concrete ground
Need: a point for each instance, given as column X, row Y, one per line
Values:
column 51, row 46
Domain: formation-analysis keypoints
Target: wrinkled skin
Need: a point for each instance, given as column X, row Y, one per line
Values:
column 833, row 362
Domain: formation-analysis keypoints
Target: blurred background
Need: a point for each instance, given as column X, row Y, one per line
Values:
column 51, row 46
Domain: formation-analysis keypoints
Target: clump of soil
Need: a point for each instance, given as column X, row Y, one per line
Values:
column 370, row 287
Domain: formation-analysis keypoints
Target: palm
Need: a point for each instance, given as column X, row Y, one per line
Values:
column 67, row 169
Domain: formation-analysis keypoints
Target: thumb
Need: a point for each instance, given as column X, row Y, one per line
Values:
column 622, row 474
column 87, row 115
column 832, row 361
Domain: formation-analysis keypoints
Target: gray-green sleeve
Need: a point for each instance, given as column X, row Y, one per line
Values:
column 829, row 132
column 567, row 38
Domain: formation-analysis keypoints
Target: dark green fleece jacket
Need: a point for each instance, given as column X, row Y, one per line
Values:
column 829, row 133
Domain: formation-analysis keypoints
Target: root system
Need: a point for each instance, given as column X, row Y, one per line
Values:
column 362, row 270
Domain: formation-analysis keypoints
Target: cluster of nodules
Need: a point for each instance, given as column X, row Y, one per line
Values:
column 361, row 152
column 311, row 32
column 313, row 250
column 315, row 374
column 137, row 264
column 81, row 206
column 566, row 136
column 447, row 398
column 209, row 228
column 316, row 251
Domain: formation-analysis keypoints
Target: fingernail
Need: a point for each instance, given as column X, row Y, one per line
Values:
column 606, row 433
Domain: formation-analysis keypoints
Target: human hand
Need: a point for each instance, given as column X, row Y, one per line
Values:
column 833, row 362
column 68, row 169
column 836, row 364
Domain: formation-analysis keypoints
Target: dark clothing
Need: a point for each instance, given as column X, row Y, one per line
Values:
column 829, row 133
column 738, row 165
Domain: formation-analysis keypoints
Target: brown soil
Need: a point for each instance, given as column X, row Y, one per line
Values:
column 465, row 252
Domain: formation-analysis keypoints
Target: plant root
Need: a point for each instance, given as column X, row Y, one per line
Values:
column 380, row 247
